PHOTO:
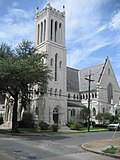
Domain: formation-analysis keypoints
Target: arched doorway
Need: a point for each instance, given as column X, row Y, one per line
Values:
column 55, row 115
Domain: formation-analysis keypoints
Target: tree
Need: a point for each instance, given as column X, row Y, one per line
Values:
column 20, row 69
column 84, row 113
column 103, row 117
column 99, row 117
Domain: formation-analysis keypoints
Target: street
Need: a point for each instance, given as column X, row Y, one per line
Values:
column 53, row 147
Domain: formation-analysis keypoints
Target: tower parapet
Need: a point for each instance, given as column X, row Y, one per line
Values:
column 50, row 26
column 53, row 11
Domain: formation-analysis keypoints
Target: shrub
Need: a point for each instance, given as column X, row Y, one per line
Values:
column 91, row 122
column 111, row 150
column 75, row 125
column 43, row 125
column 69, row 124
column 54, row 127
column 27, row 121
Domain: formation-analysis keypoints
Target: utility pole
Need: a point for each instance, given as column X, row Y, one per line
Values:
column 89, row 81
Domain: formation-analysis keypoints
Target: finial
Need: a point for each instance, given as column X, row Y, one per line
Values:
column 48, row 2
column 107, row 58
column 63, row 8
column 37, row 10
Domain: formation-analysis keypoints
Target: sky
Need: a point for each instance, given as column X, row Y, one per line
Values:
column 92, row 28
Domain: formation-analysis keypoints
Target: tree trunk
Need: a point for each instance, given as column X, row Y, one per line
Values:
column 14, row 117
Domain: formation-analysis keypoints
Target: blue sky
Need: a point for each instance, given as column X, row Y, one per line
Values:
column 92, row 28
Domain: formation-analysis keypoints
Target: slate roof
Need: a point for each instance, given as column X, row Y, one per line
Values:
column 72, row 80
column 74, row 103
column 95, row 75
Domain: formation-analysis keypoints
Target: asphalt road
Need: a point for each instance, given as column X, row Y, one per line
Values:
column 60, row 147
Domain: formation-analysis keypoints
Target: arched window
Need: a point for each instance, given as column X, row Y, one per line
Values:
column 41, row 36
column 44, row 29
column 60, row 32
column 56, row 67
column 51, row 91
column 51, row 62
column 77, row 97
column 56, row 31
column 95, row 95
column 109, row 71
column 38, row 34
column 92, row 95
column 74, row 96
column 36, row 110
column 109, row 92
column 55, row 111
column 73, row 113
column 94, row 112
column 51, row 33
column 60, row 64
column 56, row 92
column 83, row 96
column 68, row 95
column 86, row 96
column 60, row 92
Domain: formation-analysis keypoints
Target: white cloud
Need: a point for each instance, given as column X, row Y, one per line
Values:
column 88, row 29
column 83, row 28
column 16, row 25
column 115, row 21
column 15, row 4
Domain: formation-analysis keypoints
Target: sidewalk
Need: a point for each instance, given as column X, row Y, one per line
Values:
column 5, row 156
column 98, row 146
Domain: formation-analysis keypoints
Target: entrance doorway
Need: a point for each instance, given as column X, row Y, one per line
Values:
column 55, row 115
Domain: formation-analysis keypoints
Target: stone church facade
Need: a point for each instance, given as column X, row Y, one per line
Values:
column 67, row 92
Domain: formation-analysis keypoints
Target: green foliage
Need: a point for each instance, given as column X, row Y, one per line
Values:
column 84, row 113
column 27, row 120
column 117, row 118
column 103, row 117
column 75, row 125
column 111, row 150
column 54, row 127
column 69, row 123
column 43, row 125
column 20, row 69
column 6, row 51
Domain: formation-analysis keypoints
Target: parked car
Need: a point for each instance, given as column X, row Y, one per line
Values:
column 113, row 127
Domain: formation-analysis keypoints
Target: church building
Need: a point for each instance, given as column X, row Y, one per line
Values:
column 68, row 90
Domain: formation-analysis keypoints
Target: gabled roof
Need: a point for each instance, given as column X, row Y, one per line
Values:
column 74, row 103
column 72, row 80
column 76, row 78
column 95, row 75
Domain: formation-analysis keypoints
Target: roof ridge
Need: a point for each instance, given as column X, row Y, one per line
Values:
column 92, row 66
column 73, row 68
column 106, row 60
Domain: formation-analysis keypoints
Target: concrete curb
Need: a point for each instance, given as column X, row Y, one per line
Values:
column 98, row 150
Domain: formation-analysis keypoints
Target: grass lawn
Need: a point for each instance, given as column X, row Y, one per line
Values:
column 34, row 130
column 111, row 150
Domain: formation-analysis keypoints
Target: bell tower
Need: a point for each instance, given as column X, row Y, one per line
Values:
column 50, row 38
